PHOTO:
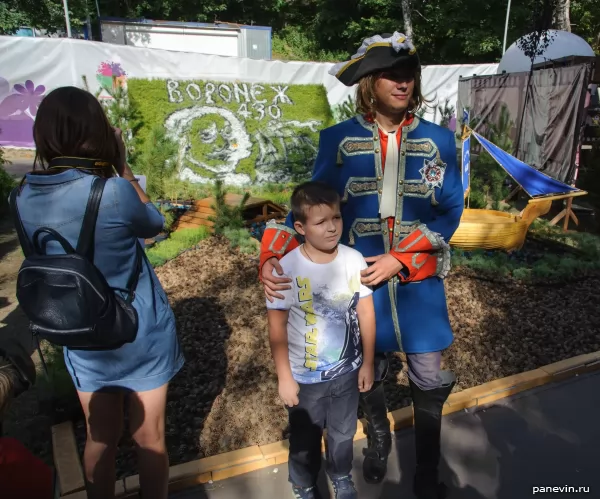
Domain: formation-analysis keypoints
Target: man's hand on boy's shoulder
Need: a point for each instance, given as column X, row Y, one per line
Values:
column 366, row 376
column 288, row 391
column 272, row 284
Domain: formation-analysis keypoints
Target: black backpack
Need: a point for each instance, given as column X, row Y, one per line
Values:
column 65, row 296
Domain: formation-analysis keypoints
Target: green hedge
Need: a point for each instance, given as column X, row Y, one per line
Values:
column 240, row 132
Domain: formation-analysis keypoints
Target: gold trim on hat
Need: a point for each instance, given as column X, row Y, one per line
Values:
column 360, row 58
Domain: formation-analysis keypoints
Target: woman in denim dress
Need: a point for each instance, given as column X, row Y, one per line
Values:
column 70, row 123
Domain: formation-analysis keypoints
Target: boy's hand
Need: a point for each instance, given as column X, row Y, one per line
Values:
column 366, row 377
column 383, row 269
column 288, row 392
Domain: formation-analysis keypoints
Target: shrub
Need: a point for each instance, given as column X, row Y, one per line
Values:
column 525, row 266
column 157, row 160
column 242, row 240
column 345, row 110
column 56, row 382
column 226, row 217
column 169, row 218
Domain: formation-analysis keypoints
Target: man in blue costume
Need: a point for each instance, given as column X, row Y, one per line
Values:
column 402, row 201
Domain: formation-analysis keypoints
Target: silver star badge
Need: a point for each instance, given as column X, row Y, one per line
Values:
column 433, row 173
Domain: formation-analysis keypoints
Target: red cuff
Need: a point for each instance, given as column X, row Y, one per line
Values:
column 424, row 254
column 419, row 240
column 277, row 241
column 417, row 266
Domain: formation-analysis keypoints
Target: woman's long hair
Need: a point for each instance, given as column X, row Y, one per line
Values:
column 366, row 96
column 70, row 122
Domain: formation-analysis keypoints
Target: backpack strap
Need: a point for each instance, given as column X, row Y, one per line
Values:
column 135, row 276
column 26, row 245
column 85, row 243
column 46, row 230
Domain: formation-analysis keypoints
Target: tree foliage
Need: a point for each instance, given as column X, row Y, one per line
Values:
column 461, row 31
column 41, row 14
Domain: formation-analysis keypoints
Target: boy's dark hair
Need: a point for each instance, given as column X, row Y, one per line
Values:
column 311, row 194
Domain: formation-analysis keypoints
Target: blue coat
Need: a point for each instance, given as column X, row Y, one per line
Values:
column 411, row 316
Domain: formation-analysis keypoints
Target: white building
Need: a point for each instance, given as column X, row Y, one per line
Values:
column 253, row 42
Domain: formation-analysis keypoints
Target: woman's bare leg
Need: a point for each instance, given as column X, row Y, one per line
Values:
column 104, row 418
column 147, row 424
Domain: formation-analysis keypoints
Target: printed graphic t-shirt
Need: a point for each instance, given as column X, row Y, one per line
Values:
column 323, row 332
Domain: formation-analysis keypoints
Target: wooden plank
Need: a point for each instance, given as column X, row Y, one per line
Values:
column 202, row 209
column 559, row 196
column 194, row 225
column 573, row 365
column 239, row 469
column 66, row 459
column 229, row 459
column 232, row 200
column 275, row 450
column 259, row 218
column 194, row 215
column 277, row 207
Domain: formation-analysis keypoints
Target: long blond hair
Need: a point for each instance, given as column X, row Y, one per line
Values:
column 366, row 96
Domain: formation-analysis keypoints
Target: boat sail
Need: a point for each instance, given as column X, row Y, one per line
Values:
column 535, row 183
column 498, row 230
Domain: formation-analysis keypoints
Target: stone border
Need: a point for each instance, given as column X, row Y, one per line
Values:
column 66, row 459
column 230, row 464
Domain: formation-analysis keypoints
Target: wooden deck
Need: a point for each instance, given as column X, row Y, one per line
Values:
column 255, row 210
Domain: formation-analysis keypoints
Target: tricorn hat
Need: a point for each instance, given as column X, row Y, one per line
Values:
column 378, row 53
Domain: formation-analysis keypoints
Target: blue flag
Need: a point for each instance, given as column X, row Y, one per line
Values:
column 466, row 117
column 466, row 163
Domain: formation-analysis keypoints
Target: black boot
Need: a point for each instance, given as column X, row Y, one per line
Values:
column 427, row 407
column 379, row 436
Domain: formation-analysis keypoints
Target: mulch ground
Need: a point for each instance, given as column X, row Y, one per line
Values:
column 225, row 398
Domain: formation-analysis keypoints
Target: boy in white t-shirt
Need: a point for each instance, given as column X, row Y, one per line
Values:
column 322, row 337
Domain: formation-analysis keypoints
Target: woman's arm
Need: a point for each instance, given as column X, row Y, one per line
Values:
column 132, row 203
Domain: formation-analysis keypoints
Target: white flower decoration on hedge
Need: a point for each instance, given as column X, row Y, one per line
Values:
column 237, row 144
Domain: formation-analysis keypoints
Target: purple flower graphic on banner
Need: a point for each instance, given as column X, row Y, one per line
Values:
column 17, row 111
column 26, row 98
column 4, row 88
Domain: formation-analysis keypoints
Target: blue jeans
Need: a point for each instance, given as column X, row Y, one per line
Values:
column 333, row 404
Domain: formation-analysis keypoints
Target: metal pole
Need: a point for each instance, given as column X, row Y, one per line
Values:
column 67, row 20
column 97, row 9
column 506, row 28
column 88, row 20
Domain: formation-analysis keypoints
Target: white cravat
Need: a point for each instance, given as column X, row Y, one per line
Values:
column 389, row 194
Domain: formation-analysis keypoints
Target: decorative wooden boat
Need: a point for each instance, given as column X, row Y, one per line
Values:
column 498, row 230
